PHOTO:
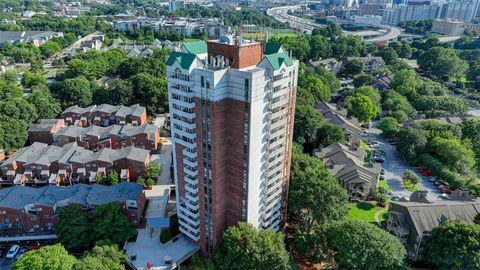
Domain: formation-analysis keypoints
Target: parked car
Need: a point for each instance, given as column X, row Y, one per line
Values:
column 425, row 172
column 444, row 196
column 12, row 251
column 432, row 180
column 378, row 159
column 382, row 171
column 382, row 177
column 20, row 253
column 446, row 190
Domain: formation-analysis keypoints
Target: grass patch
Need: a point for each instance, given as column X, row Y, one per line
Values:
column 384, row 184
column 409, row 186
column 165, row 236
column 364, row 212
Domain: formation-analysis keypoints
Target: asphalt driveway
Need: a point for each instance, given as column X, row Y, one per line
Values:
column 395, row 166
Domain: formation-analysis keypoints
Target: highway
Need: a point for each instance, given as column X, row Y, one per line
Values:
column 280, row 14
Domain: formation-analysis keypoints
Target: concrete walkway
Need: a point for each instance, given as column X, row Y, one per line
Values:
column 165, row 160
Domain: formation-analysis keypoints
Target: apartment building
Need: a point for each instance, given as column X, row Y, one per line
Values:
column 348, row 165
column 105, row 115
column 96, row 137
column 231, row 110
column 42, row 164
column 34, row 210
column 412, row 221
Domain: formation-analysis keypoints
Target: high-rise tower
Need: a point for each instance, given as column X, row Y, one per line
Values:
column 231, row 109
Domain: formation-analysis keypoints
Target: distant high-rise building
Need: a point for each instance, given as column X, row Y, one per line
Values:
column 174, row 5
column 463, row 10
column 231, row 109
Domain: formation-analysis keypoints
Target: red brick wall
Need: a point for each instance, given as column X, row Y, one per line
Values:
column 240, row 57
column 227, row 162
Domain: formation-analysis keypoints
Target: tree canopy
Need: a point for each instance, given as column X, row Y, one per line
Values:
column 53, row 257
column 454, row 245
column 361, row 245
column 244, row 247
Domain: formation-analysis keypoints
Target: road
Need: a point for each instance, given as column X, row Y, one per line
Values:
column 395, row 166
column 281, row 14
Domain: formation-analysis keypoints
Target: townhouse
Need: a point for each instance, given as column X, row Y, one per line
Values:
column 352, row 172
column 339, row 116
column 43, row 130
column 105, row 115
column 412, row 221
column 41, row 164
column 27, row 210
column 96, row 137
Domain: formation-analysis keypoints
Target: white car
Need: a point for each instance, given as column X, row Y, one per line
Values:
column 12, row 252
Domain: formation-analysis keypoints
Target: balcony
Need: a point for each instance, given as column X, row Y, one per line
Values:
column 195, row 236
column 274, row 115
column 190, row 163
column 275, row 133
column 180, row 91
column 277, row 143
column 190, row 172
column 191, row 188
column 276, row 151
column 191, row 197
column 273, row 186
column 191, row 124
column 278, row 93
column 191, row 181
column 278, row 123
column 192, row 221
column 186, row 114
column 277, row 103
column 189, row 154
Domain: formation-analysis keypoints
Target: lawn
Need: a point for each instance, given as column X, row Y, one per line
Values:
column 384, row 184
column 409, row 186
column 365, row 212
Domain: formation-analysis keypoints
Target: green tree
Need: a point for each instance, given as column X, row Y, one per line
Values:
column 47, row 106
column 395, row 102
column 315, row 198
column 388, row 54
column 454, row 245
column 106, row 257
column 73, row 229
column 150, row 92
column 329, row 133
column 411, row 143
column 362, row 107
column 389, row 126
column 361, row 245
column 53, row 257
column 153, row 169
column 74, row 92
column 363, row 80
column 110, row 225
column 306, row 124
column 244, row 247
column 353, row 67
column 314, row 85
column 477, row 219
column 405, row 82
column 13, row 133
column 442, row 61
column 30, row 79
column 120, row 92
column 371, row 92
column 19, row 109
column 411, row 177
column 49, row 48
column 454, row 154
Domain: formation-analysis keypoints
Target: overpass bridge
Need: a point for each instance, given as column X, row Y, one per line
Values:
column 385, row 34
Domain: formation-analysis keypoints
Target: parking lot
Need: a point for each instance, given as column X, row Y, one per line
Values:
column 394, row 166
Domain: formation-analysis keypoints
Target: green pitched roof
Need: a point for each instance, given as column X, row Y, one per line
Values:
column 277, row 59
column 196, row 47
column 272, row 48
column 184, row 59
